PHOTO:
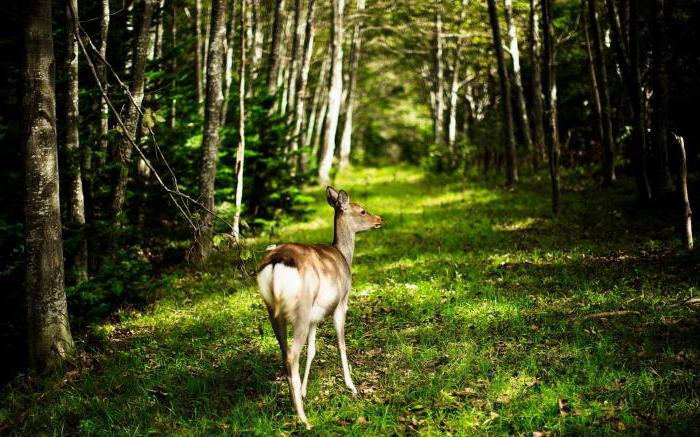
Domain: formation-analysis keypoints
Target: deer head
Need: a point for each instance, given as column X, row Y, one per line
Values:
column 351, row 216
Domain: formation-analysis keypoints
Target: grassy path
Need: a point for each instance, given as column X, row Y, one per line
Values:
column 468, row 315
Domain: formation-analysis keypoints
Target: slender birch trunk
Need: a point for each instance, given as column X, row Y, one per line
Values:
column 301, row 97
column 275, row 45
column 517, row 75
column 346, row 138
column 240, row 153
column 228, row 68
column 131, row 117
column 198, row 55
column 511, row 160
column 76, row 199
column 102, row 75
column 255, row 38
column 608, row 138
column 536, row 84
column 212, row 123
column 50, row 341
column 335, row 92
column 297, row 55
column 439, row 82
column 454, row 87
column 316, row 105
column 550, row 103
column 683, row 189
column 173, row 63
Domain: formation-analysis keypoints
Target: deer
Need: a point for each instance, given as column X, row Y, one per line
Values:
column 302, row 284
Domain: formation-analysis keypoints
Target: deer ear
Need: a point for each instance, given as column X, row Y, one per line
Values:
column 332, row 196
column 343, row 200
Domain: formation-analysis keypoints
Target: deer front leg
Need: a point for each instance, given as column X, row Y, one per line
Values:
column 310, row 353
column 301, row 330
column 339, row 322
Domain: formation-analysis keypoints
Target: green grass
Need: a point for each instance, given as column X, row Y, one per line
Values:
column 467, row 316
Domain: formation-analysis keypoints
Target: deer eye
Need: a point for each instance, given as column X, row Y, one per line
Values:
column 363, row 212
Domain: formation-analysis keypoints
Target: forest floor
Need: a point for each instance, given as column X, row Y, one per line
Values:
column 472, row 311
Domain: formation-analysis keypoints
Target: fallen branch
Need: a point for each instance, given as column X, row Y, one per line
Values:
column 606, row 314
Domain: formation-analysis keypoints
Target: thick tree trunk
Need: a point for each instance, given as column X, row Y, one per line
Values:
column 659, row 121
column 511, row 159
column 628, row 57
column 102, row 75
column 302, row 87
column 50, row 340
column 335, row 92
column 131, row 118
column 212, row 123
column 199, row 67
column 346, row 137
column 273, row 64
column 517, row 76
column 550, row 103
column 297, row 54
column 439, row 82
column 687, row 213
column 76, row 201
column 228, row 68
column 240, row 153
column 536, row 84
column 608, row 139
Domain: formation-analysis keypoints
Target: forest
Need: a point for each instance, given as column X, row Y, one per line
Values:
column 174, row 171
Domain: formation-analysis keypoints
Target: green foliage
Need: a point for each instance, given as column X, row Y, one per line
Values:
column 468, row 315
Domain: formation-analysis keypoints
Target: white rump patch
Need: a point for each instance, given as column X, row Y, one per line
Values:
column 287, row 285
column 265, row 284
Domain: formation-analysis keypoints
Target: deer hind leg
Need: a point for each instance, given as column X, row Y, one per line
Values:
column 300, row 328
column 339, row 322
column 310, row 353
column 279, row 326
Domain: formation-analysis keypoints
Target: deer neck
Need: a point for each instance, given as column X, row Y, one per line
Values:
column 343, row 238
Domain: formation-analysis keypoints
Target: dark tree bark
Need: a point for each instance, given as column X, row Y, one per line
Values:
column 511, row 159
column 76, row 201
column 601, row 74
column 628, row 59
column 346, row 136
column 536, row 84
column 275, row 45
column 212, row 122
column 517, row 78
column 550, row 103
column 131, row 118
column 50, row 340
column 335, row 92
column 659, row 120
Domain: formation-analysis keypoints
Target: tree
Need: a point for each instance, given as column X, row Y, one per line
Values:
column 601, row 85
column 659, row 77
column 550, row 103
column 455, row 85
column 346, row 137
column 536, row 85
column 198, row 65
column 273, row 64
column 240, row 153
column 212, row 123
column 439, row 81
column 335, row 92
column 511, row 160
column 302, row 87
column 517, row 79
column 76, row 199
column 131, row 118
column 102, row 75
column 50, row 340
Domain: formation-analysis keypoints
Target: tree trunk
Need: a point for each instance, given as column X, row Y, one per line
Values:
column 240, row 153
column 198, row 54
column 316, row 107
column 173, row 63
column 102, row 75
column 76, row 201
column 659, row 121
column 318, row 131
column 537, row 96
column 608, row 139
column 511, row 160
column 335, row 92
column 131, row 117
column 255, row 38
column 158, row 44
column 683, row 190
column 628, row 57
column 454, row 88
column 346, row 138
column 275, row 47
column 228, row 69
column 595, row 88
column 299, row 106
column 550, row 103
column 297, row 54
column 439, row 82
column 50, row 340
column 517, row 76
column 212, row 122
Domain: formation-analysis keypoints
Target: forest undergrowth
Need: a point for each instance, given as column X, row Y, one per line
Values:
column 472, row 311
